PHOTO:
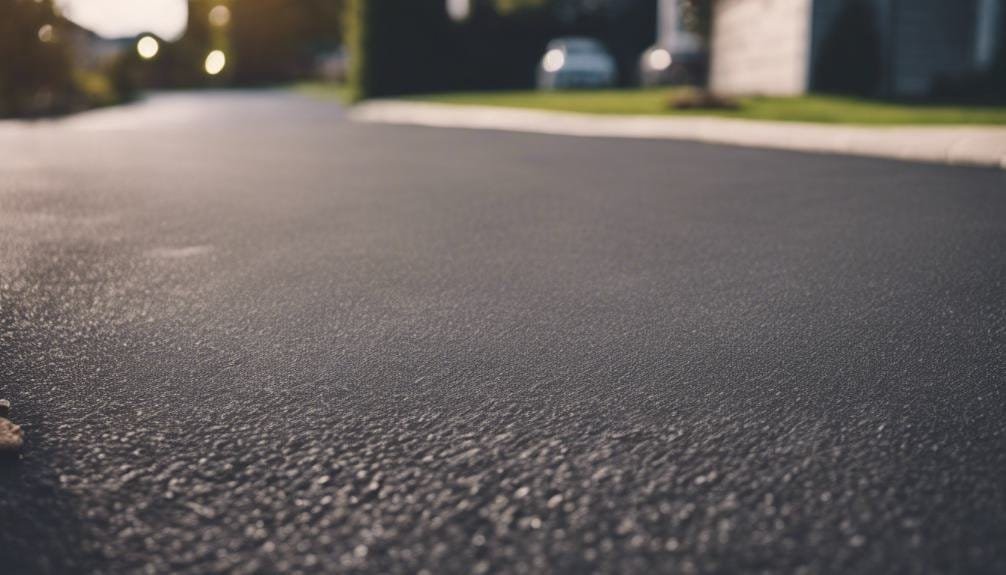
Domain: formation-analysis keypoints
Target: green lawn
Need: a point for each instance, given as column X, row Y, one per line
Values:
column 655, row 101
column 826, row 109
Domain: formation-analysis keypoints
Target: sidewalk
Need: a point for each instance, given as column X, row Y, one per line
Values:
column 965, row 145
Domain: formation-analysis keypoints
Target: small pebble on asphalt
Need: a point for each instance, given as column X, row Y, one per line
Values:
column 11, row 436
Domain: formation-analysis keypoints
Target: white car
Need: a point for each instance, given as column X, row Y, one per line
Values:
column 576, row 63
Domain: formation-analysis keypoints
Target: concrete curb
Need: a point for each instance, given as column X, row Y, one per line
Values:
column 954, row 145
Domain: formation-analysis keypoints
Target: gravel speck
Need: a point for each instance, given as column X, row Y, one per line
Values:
column 11, row 436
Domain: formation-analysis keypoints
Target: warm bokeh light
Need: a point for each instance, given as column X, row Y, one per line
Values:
column 220, row 15
column 459, row 10
column 215, row 62
column 124, row 18
column 147, row 47
column 45, row 33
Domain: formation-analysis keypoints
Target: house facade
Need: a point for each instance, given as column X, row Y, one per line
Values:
column 782, row 47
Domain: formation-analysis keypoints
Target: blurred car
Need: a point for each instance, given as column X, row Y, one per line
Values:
column 659, row 66
column 576, row 63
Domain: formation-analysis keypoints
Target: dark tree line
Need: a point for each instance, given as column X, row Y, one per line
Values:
column 409, row 46
column 395, row 46
column 35, row 68
column 266, row 41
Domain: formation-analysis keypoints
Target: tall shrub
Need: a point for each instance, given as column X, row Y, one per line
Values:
column 849, row 62
column 35, row 68
column 398, row 46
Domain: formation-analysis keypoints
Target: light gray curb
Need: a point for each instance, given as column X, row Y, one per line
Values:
column 955, row 145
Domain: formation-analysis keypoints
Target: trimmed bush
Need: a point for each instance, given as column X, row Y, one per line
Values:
column 850, row 57
column 398, row 47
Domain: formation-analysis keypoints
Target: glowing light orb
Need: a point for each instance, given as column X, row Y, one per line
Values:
column 147, row 47
column 660, row 59
column 554, row 60
column 215, row 62
column 220, row 15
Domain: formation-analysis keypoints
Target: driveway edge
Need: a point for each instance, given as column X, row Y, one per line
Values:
column 953, row 145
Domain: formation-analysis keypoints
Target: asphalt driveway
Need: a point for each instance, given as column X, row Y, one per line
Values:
column 246, row 335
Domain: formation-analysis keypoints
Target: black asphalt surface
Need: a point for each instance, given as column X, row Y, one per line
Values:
column 246, row 335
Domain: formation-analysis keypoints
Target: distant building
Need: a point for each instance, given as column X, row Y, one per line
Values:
column 781, row 47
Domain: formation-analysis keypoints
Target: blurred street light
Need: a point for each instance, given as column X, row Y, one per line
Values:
column 459, row 10
column 220, row 15
column 147, row 47
column 45, row 33
column 215, row 62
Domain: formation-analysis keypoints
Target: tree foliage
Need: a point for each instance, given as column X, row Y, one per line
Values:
column 35, row 68
column 266, row 41
column 403, row 46
column 277, row 40
column 399, row 46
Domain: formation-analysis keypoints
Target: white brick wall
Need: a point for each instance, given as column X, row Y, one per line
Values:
column 761, row 47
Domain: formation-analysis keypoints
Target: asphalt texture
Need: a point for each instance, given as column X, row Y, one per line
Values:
column 246, row 335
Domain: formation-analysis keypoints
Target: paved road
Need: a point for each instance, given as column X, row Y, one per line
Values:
column 246, row 335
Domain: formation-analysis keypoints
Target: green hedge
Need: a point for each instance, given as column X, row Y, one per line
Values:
column 398, row 46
